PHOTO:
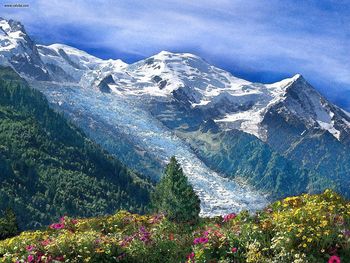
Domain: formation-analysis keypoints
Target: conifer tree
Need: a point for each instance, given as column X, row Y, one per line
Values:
column 8, row 225
column 175, row 196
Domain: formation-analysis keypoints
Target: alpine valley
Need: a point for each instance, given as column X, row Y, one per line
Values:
column 241, row 144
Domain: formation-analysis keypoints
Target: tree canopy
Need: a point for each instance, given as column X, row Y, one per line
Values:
column 175, row 196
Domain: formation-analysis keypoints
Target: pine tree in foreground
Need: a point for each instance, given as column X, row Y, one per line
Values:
column 175, row 196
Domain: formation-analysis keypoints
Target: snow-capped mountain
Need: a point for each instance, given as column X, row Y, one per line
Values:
column 18, row 51
column 178, row 104
column 231, row 102
column 72, row 65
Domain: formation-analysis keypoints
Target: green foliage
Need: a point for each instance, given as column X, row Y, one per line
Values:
column 8, row 225
column 313, row 149
column 301, row 229
column 245, row 158
column 174, row 195
column 49, row 168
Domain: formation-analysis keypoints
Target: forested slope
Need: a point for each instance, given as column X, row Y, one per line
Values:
column 49, row 168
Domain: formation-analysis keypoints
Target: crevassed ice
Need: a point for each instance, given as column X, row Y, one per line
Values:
column 218, row 195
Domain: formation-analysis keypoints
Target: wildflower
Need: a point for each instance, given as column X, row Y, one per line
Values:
column 234, row 250
column 99, row 250
column 45, row 242
column 30, row 247
column 156, row 219
column 126, row 241
column 200, row 240
column 346, row 233
column 171, row 236
column 334, row 259
column 190, row 256
column 229, row 217
column 30, row 258
column 57, row 226
column 145, row 236
column 204, row 240
column 196, row 241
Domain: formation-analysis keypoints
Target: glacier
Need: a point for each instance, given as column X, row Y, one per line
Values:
column 218, row 195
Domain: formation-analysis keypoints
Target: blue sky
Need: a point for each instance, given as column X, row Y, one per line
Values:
column 259, row 40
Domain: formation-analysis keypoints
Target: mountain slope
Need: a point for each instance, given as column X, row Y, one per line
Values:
column 49, row 168
column 243, row 157
column 165, row 105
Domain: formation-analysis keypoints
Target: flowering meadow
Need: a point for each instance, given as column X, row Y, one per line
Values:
column 306, row 228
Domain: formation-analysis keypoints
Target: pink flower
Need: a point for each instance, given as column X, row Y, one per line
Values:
column 196, row 241
column 45, row 242
column 334, row 259
column 203, row 240
column 57, row 226
column 30, row 248
column 190, row 256
column 229, row 217
column 234, row 250
column 30, row 258
column 200, row 240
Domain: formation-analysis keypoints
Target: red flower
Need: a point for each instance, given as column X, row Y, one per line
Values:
column 334, row 259
column 234, row 250
column 229, row 217
column 30, row 258
column 171, row 236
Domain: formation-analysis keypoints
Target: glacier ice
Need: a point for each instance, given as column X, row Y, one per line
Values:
column 218, row 195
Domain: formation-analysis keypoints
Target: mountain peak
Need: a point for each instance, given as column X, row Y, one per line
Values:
column 297, row 77
column 166, row 55
column 10, row 26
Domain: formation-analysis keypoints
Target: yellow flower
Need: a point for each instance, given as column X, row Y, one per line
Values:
column 99, row 250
